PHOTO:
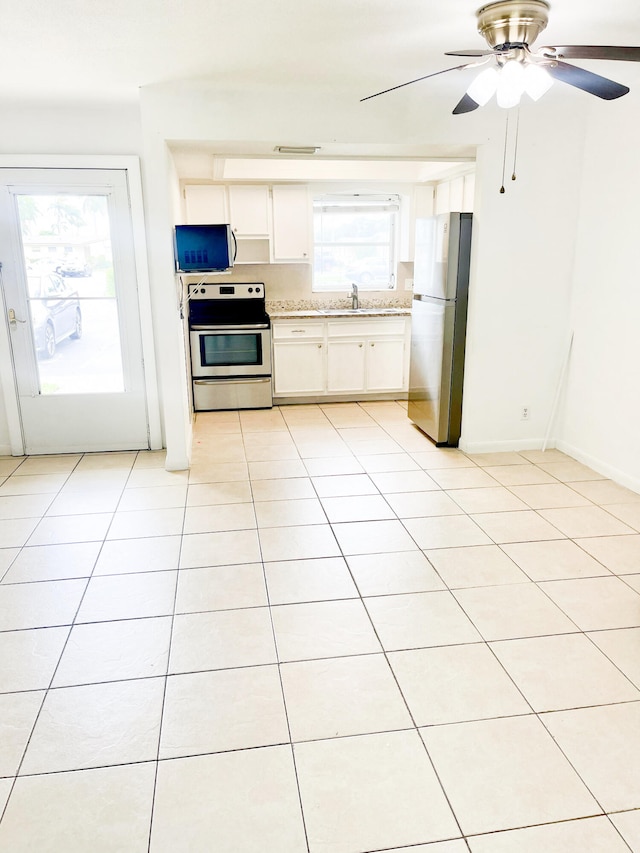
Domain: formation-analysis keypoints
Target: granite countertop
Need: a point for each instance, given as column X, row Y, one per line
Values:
column 319, row 313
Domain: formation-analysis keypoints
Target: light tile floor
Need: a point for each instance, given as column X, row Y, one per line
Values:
column 329, row 636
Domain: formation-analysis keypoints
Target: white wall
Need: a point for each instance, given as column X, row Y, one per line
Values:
column 601, row 418
column 77, row 128
column 41, row 129
column 522, row 261
column 162, row 203
column 524, row 238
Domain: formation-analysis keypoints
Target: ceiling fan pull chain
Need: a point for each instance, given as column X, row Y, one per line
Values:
column 515, row 150
column 504, row 156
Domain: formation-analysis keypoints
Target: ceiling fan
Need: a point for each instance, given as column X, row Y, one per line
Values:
column 510, row 27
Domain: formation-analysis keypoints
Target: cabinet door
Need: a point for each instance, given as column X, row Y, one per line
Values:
column 291, row 223
column 206, row 205
column 345, row 366
column 385, row 365
column 298, row 367
column 249, row 208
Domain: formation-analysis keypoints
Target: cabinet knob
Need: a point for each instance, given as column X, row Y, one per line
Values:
column 319, row 346
column 359, row 345
column 372, row 345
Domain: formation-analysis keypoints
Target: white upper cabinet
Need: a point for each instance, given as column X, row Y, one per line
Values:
column 206, row 205
column 249, row 209
column 291, row 223
column 455, row 194
column 246, row 208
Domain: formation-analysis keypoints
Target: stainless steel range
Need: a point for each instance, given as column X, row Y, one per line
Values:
column 230, row 338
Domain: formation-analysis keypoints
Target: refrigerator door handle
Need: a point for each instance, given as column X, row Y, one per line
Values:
column 422, row 297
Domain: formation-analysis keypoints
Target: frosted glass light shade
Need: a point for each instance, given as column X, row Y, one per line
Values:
column 537, row 81
column 511, row 84
column 483, row 86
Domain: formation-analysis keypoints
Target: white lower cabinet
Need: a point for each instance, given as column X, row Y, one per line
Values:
column 385, row 365
column 345, row 366
column 299, row 366
column 340, row 357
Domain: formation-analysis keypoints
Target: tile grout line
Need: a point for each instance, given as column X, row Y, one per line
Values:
column 166, row 675
column 279, row 667
column 53, row 675
column 415, row 728
column 361, row 598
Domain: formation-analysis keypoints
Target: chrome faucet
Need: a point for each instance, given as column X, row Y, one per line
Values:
column 354, row 297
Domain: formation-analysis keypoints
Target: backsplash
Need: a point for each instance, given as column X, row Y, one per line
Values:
column 288, row 288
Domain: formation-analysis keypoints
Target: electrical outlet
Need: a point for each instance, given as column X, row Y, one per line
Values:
column 408, row 284
column 524, row 413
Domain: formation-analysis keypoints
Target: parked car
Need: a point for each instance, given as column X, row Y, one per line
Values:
column 370, row 270
column 55, row 312
column 73, row 268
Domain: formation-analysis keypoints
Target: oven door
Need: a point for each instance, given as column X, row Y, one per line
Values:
column 222, row 351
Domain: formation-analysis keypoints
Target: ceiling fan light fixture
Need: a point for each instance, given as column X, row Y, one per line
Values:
column 537, row 81
column 511, row 84
column 483, row 87
column 510, row 27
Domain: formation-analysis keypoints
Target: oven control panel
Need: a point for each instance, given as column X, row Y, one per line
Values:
column 237, row 290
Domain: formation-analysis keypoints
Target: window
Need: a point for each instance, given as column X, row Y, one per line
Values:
column 355, row 241
column 71, row 290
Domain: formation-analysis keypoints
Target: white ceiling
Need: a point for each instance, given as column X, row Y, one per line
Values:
column 96, row 50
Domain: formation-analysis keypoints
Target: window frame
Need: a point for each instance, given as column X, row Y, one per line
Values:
column 359, row 202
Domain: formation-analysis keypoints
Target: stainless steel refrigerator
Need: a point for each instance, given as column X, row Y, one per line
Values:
column 438, row 325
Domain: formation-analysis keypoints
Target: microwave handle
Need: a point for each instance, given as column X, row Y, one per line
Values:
column 235, row 246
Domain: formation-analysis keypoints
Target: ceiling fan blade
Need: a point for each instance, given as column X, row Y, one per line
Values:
column 465, row 105
column 471, row 52
column 417, row 80
column 594, row 51
column 602, row 87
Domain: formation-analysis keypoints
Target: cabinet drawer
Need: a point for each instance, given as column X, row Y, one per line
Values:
column 367, row 328
column 306, row 329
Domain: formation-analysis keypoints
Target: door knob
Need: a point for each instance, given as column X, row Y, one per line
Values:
column 12, row 317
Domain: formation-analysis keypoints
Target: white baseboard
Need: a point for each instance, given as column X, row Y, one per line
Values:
column 5, row 450
column 613, row 473
column 593, row 462
column 502, row 446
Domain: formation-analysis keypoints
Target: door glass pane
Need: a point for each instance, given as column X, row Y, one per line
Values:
column 71, row 293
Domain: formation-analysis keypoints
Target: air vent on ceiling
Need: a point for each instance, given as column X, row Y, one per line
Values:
column 297, row 149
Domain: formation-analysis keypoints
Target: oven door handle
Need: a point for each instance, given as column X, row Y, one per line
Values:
column 235, row 327
column 223, row 381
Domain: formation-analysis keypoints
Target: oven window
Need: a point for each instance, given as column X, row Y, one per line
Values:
column 220, row 350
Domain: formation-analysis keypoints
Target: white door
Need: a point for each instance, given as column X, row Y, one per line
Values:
column 71, row 302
